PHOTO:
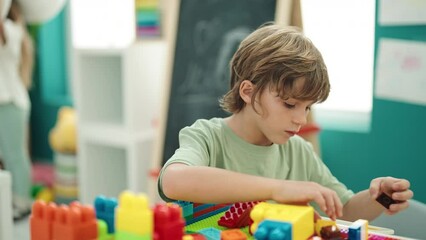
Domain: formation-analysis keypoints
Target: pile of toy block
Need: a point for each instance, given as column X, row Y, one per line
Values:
column 130, row 218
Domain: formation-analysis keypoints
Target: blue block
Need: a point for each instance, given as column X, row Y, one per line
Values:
column 105, row 210
column 202, row 207
column 354, row 233
column 187, row 207
column 211, row 233
column 273, row 230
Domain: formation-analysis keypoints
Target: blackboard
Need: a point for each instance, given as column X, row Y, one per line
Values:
column 207, row 35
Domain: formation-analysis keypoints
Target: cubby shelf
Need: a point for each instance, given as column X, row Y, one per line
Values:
column 117, row 96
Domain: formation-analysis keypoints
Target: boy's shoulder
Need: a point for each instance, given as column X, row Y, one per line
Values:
column 208, row 123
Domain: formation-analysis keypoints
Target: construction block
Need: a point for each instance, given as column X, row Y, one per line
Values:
column 211, row 233
column 41, row 218
column 300, row 217
column 269, row 229
column 168, row 222
column 237, row 216
column 103, row 231
column 233, row 234
column 358, row 230
column 187, row 207
column 74, row 222
column 385, row 200
column 105, row 210
column 209, row 212
column 320, row 223
column 123, row 235
column 330, row 232
column 133, row 216
column 194, row 236
column 211, row 208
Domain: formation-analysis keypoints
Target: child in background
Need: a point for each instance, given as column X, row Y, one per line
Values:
column 16, row 64
column 277, row 74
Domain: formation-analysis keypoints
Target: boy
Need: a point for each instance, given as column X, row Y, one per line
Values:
column 277, row 74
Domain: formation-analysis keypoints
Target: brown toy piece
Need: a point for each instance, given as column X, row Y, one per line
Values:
column 385, row 200
column 330, row 232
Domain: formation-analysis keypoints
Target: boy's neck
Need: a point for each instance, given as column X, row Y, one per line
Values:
column 245, row 128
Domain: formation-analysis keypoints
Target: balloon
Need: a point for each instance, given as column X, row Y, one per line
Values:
column 40, row 11
column 4, row 8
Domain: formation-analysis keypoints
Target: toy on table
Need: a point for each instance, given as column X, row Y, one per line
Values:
column 131, row 218
column 385, row 200
column 238, row 215
column 50, row 221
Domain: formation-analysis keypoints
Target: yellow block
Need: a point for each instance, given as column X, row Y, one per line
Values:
column 301, row 217
column 143, row 4
column 65, row 191
column 133, row 214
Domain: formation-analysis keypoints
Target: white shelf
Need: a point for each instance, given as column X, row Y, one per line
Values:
column 117, row 97
column 108, row 170
column 114, row 135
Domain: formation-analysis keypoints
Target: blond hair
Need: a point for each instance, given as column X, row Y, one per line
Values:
column 276, row 56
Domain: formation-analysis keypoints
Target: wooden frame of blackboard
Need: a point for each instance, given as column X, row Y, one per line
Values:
column 171, row 22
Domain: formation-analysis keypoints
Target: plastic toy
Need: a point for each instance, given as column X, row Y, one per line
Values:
column 134, row 218
column 385, row 200
column 300, row 217
column 63, row 137
column 237, row 216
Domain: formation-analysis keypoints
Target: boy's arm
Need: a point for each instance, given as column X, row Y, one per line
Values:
column 363, row 205
column 213, row 185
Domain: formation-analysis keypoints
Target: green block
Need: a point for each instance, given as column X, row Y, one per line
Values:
column 122, row 235
column 211, row 222
column 103, row 231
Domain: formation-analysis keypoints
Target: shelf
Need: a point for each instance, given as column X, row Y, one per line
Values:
column 101, row 91
column 117, row 97
column 113, row 135
column 120, row 86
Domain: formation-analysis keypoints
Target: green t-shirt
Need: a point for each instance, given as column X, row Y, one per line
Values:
column 212, row 143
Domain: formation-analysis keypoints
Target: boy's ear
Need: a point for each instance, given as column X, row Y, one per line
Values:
column 246, row 91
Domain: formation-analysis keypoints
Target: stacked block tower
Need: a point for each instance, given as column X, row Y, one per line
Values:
column 147, row 18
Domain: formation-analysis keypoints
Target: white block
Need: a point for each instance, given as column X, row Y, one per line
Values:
column 6, row 219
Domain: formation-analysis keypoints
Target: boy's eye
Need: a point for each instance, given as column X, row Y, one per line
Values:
column 288, row 105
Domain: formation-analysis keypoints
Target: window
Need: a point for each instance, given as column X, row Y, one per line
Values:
column 344, row 33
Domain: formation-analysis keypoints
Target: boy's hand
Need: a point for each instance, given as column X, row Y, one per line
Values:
column 298, row 192
column 397, row 189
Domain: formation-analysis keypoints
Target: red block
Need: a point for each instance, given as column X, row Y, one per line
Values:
column 168, row 222
column 75, row 222
column 237, row 216
column 42, row 215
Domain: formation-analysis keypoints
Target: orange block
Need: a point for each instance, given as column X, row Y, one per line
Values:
column 74, row 222
column 233, row 234
column 41, row 219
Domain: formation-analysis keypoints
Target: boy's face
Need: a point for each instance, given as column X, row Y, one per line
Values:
column 279, row 119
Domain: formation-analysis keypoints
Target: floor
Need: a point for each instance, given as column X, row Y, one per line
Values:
column 21, row 229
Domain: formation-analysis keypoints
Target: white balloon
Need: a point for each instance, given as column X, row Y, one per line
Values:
column 4, row 7
column 40, row 11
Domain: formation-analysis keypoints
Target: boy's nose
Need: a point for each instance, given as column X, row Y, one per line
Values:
column 300, row 118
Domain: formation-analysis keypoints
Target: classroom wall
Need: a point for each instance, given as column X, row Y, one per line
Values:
column 50, row 83
column 394, row 146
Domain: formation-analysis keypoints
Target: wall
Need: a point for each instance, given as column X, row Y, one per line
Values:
column 395, row 144
column 50, row 83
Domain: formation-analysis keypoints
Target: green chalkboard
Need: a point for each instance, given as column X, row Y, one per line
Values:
column 208, row 33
